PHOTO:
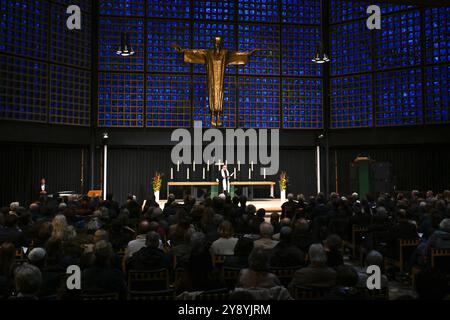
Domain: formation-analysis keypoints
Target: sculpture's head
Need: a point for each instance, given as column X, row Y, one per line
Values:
column 218, row 43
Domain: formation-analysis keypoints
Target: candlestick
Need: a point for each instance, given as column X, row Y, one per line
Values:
column 187, row 173
column 234, row 173
column 251, row 163
column 178, row 165
column 249, row 173
column 171, row 173
column 208, row 165
column 239, row 165
column 264, row 173
column 203, row 173
column 193, row 166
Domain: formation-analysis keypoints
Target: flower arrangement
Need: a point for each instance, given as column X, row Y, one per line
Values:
column 157, row 181
column 283, row 180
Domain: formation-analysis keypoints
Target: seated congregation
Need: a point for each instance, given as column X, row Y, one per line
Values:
column 225, row 249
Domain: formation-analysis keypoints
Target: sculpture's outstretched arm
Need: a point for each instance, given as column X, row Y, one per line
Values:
column 241, row 57
column 191, row 55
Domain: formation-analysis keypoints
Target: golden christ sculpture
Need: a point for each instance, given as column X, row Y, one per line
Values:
column 216, row 60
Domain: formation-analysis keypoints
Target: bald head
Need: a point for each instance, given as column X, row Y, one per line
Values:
column 143, row 227
column 266, row 230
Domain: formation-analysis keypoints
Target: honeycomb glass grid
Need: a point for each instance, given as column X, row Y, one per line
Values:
column 23, row 28
column 121, row 100
column 24, row 95
column 437, row 94
column 69, row 96
column 214, row 10
column 437, row 35
column 168, row 101
column 258, row 10
column 203, row 38
column 302, row 103
column 201, row 102
column 169, row 9
column 71, row 47
column 350, row 48
column 303, row 12
column 298, row 45
column 398, row 42
column 251, row 36
column 351, row 101
column 161, row 57
column 110, row 29
column 122, row 7
column 258, row 102
column 398, row 102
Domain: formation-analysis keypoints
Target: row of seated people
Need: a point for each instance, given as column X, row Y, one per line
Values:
column 189, row 234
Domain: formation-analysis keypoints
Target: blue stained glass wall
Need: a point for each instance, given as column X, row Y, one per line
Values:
column 121, row 100
column 364, row 92
column 176, row 92
column 351, row 46
column 437, row 35
column 437, row 94
column 398, row 97
column 302, row 103
column 48, row 67
column 168, row 102
column 351, row 101
column 259, row 102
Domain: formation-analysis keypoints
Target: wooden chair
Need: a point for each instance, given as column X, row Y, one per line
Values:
column 358, row 233
column 308, row 293
column 214, row 295
column 100, row 296
column 230, row 276
column 148, row 280
column 286, row 274
column 218, row 260
column 440, row 260
column 163, row 295
column 406, row 248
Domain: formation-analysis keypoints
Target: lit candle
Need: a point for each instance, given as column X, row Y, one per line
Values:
column 178, row 165
column 226, row 162
column 264, row 173
column 193, row 166
column 251, row 165
column 187, row 173
column 249, row 173
column 203, row 173
column 239, row 165
column 234, row 173
column 171, row 173
column 208, row 165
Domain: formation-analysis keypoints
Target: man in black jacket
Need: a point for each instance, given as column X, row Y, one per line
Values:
column 149, row 257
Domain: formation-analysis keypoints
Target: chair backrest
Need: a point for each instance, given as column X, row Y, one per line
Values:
column 214, row 295
column 162, row 295
column 230, row 276
column 440, row 260
column 308, row 293
column 148, row 280
column 100, row 296
column 286, row 274
column 218, row 260
column 407, row 247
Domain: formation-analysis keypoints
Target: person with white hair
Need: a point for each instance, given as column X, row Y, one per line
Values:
column 373, row 258
column 27, row 281
column 440, row 239
column 266, row 233
column 317, row 274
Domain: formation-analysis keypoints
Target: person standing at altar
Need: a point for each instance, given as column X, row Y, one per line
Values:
column 43, row 188
column 224, row 179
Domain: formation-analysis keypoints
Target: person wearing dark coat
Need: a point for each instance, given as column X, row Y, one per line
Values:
column 286, row 254
column 149, row 257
